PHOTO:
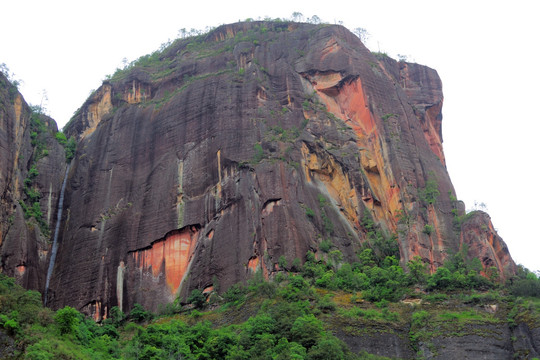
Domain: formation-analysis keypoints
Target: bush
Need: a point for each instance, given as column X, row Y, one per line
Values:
column 61, row 138
column 11, row 326
column 259, row 153
column 428, row 229
column 442, row 279
column 235, row 294
column 419, row 319
column 417, row 270
column 296, row 265
column 307, row 330
column 328, row 348
column 33, row 172
column 297, row 289
column 525, row 287
column 325, row 304
column 286, row 350
column 70, row 148
column 325, row 245
column 282, row 262
column 327, row 280
column 310, row 213
column 67, row 320
column 431, row 192
column 387, row 282
column 381, row 245
column 139, row 314
column 116, row 316
column 367, row 258
column 197, row 299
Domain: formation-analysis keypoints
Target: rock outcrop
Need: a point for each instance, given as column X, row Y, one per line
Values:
column 199, row 165
column 32, row 164
column 473, row 340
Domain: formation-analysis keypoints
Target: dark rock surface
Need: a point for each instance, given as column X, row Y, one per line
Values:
column 198, row 165
column 395, row 342
column 26, row 141
column 526, row 341
column 482, row 341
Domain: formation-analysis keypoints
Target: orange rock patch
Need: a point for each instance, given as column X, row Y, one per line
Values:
column 348, row 101
column 21, row 269
column 169, row 257
column 253, row 263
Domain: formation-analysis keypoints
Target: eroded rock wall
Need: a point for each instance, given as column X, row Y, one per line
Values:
column 204, row 163
column 32, row 164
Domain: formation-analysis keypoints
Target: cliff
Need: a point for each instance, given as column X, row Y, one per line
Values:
column 32, row 164
column 211, row 159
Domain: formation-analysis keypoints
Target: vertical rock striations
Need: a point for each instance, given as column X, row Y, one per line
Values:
column 32, row 164
column 208, row 161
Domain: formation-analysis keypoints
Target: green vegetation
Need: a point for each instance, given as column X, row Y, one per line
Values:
column 39, row 133
column 382, row 244
column 69, row 145
column 293, row 316
column 430, row 192
column 428, row 229
column 325, row 245
column 277, row 133
column 385, row 117
column 13, row 84
column 259, row 153
column 70, row 148
column 328, row 225
column 525, row 284
column 310, row 213
column 381, row 55
column 173, row 58
column 38, row 139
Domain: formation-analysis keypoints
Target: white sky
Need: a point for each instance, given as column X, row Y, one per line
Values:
column 486, row 53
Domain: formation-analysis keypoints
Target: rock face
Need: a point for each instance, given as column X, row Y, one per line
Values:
column 32, row 164
column 198, row 165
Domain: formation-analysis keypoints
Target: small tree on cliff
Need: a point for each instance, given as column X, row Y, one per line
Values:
column 197, row 298
column 418, row 270
column 362, row 34
column 297, row 16
column 139, row 314
column 314, row 20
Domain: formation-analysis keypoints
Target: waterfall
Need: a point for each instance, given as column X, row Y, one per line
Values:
column 54, row 248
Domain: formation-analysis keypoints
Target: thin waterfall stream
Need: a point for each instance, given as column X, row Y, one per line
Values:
column 54, row 248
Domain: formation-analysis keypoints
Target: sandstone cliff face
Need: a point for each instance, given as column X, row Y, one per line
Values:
column 32, row 164
column 208, row 161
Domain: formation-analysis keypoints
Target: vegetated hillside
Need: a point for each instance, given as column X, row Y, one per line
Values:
column 301, row 314
column 231, row 153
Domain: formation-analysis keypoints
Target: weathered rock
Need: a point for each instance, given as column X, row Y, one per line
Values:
column 371, row 337
column 478, row 233
column 480, row 336
column 210, row 160
column 481, row 341
column 27, row 141
column 526, row 341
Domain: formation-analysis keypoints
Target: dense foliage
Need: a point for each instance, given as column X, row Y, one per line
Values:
column 287, row 318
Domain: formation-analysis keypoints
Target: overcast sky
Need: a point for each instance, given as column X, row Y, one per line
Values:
column 486, row 53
